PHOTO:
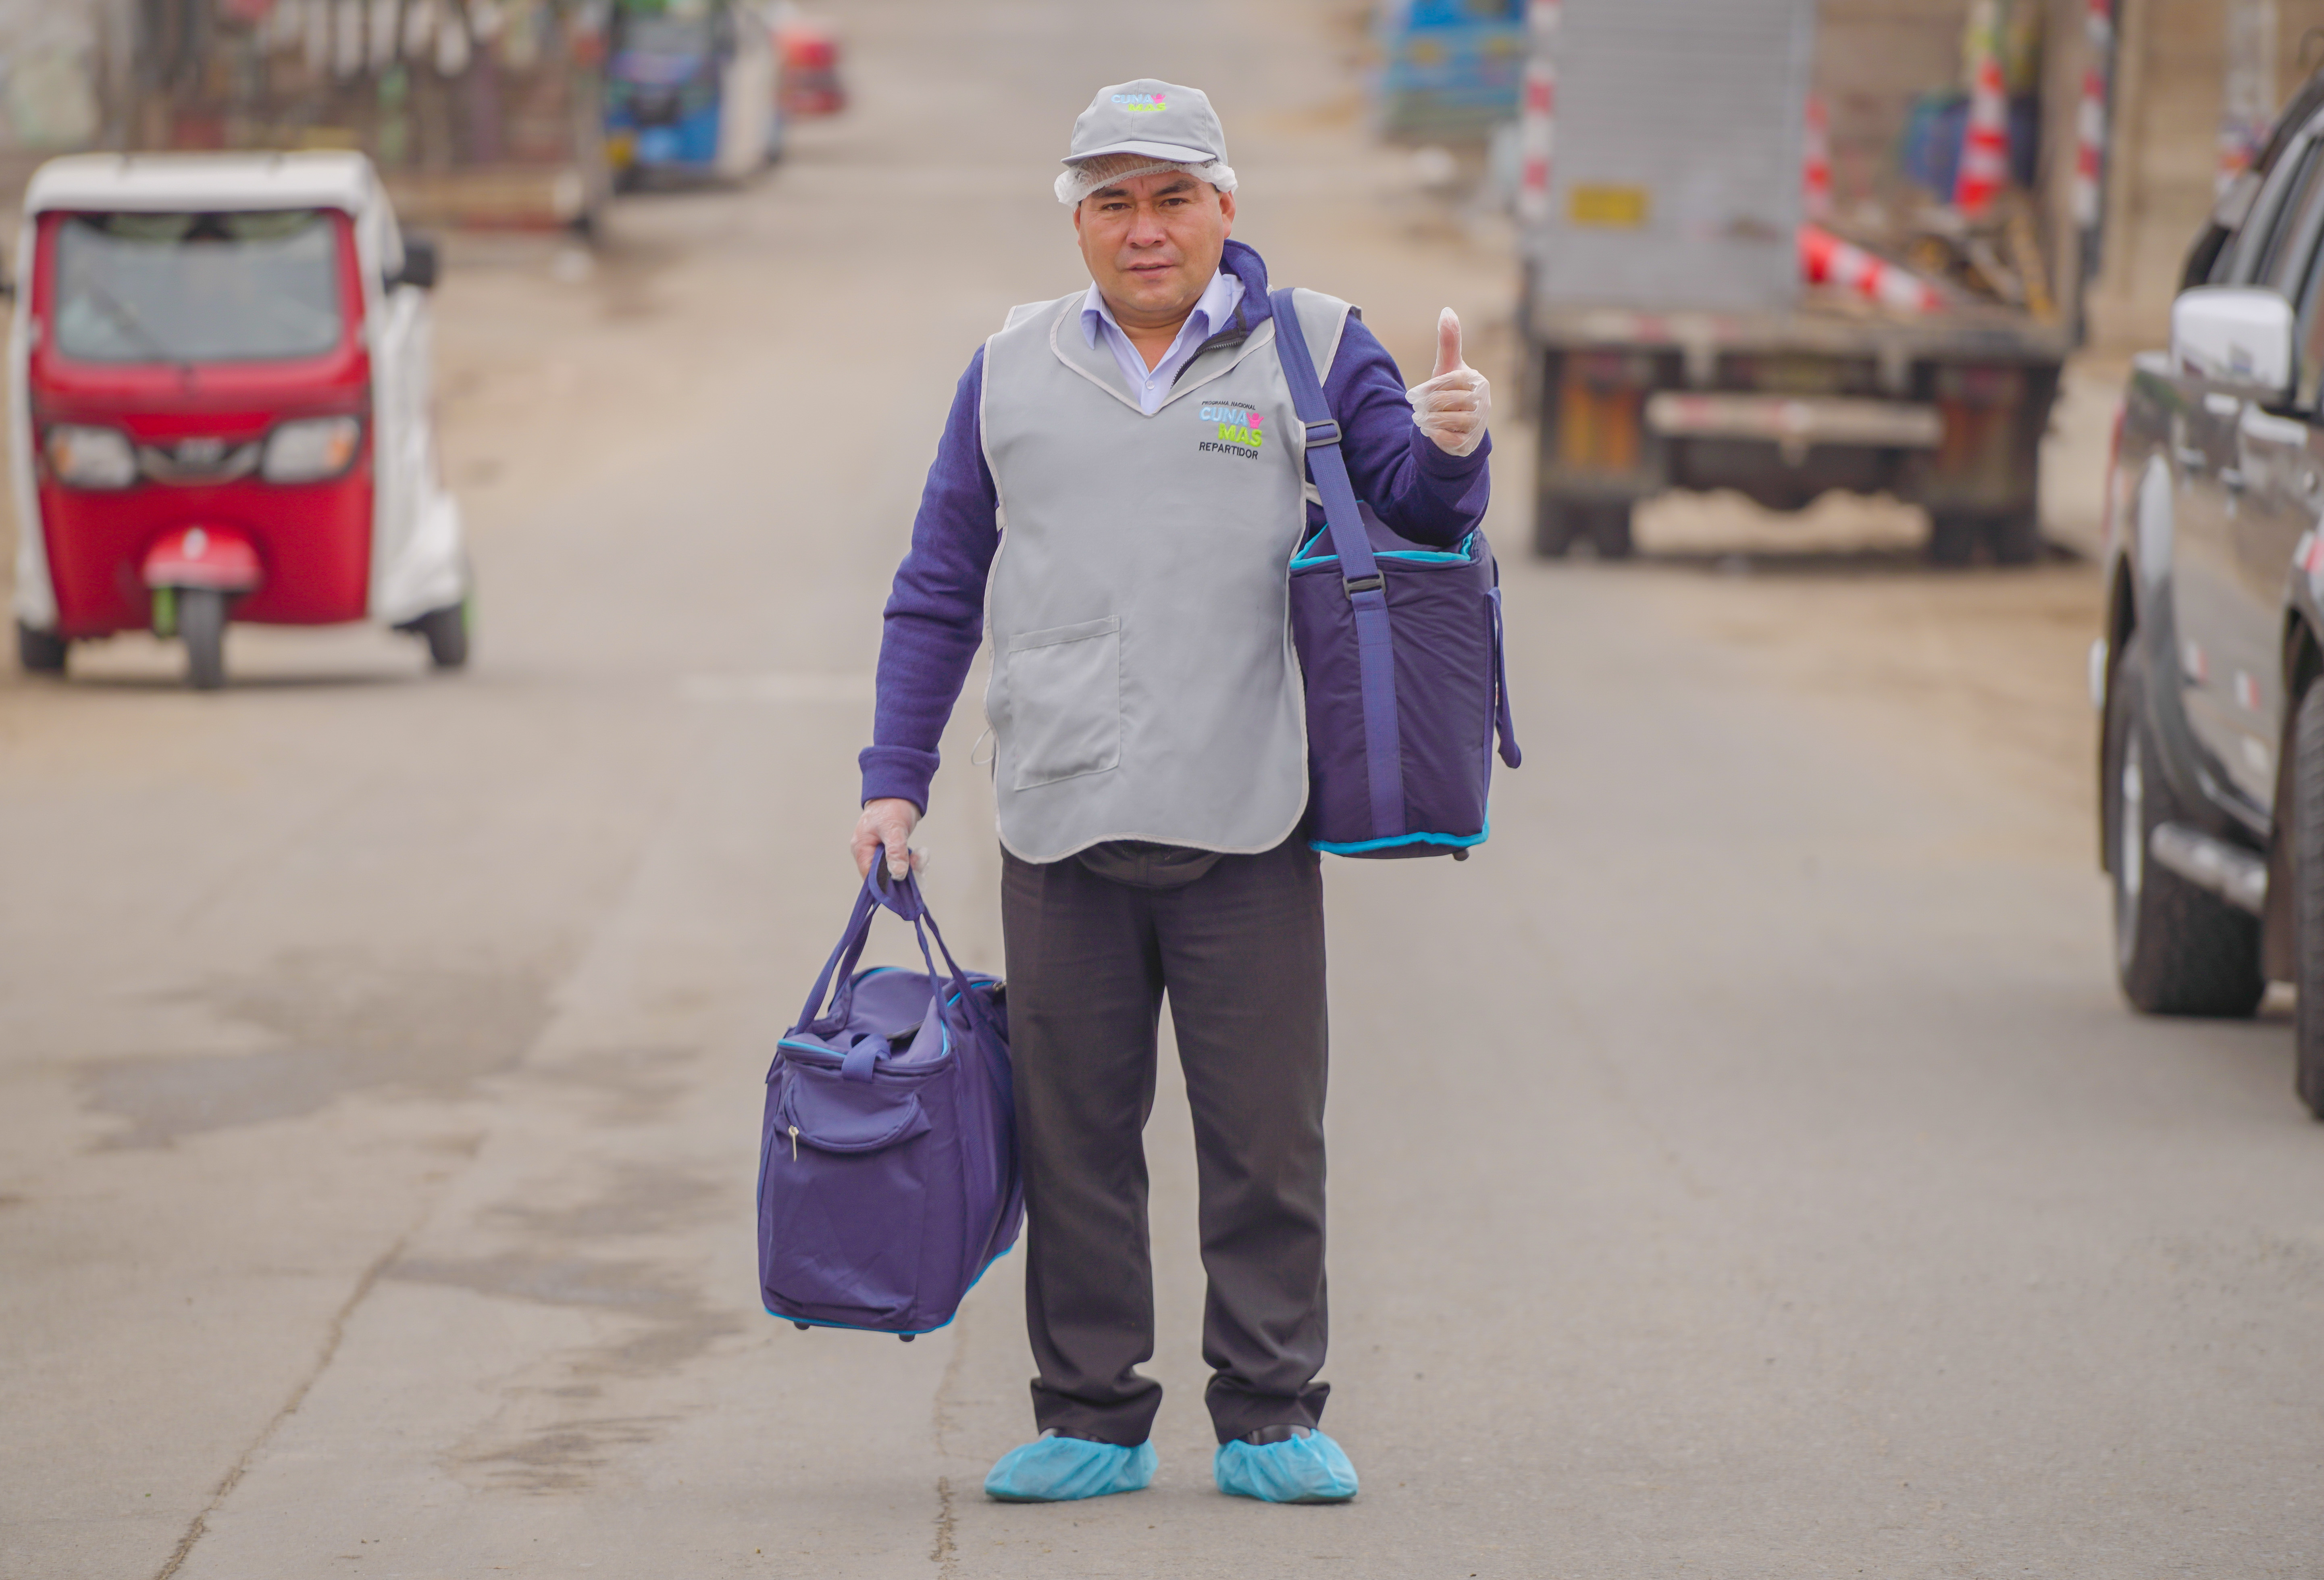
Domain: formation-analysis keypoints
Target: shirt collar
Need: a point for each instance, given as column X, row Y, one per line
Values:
column 1212, row 309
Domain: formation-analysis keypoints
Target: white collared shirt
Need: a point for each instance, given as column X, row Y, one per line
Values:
column 1151, row 386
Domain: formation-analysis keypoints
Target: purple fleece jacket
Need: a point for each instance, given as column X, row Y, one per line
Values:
column 935, row 612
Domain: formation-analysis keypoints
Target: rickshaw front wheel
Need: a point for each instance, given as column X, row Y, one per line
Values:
column 201, row 626
column 39, row 652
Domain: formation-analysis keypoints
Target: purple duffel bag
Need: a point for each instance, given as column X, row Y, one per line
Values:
column 1400, row 651
column 887, row 1178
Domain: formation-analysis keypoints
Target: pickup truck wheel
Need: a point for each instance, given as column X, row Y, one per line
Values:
column 2179, row 950
column 1555, row 522
column 2015, row 538
column 2307, row 870
column 1609, row 530
column 39, row 652
column 1953, row 538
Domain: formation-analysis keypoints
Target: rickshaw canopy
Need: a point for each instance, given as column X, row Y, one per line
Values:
column 223, row 183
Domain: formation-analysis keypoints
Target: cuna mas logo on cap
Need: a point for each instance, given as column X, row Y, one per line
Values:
column 1138, row 103
column 1239, row 429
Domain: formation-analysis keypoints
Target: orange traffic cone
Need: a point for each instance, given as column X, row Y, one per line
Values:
column 1815, row 195
column 1985, row 144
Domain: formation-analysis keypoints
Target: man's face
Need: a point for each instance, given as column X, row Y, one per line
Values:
column 1152, row 244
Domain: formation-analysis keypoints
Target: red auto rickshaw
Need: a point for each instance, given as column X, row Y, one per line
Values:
column 220, row 376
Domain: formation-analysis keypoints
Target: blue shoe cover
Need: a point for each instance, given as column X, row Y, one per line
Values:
column 1309, row 1468
column 1056, row 1470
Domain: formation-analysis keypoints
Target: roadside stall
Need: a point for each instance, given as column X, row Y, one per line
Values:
column 475, row 114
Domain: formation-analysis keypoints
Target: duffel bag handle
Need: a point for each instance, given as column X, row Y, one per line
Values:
column 843, row 960
column 902, row 896
column 1506, row 726
column 1360, row 573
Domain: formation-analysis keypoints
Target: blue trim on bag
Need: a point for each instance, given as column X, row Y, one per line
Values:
column 915, row 1331
column 1362, row 846
column 944, row 1042
column 1461, row 556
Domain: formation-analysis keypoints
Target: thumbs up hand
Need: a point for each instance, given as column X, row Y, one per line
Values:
column 1455, row 405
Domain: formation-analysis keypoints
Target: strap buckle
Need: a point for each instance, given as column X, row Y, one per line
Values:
column 1323, row 433
column 1374, row 583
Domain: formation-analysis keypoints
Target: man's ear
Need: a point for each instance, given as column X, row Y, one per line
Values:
column 1226, row 207
column 1077, row 218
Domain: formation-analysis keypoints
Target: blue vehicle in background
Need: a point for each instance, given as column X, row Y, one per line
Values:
column 1450, row 69
column 692, row 90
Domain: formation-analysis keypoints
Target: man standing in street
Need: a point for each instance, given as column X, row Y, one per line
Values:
column 1131, row 454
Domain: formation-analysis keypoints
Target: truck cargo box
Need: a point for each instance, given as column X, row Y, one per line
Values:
column 1677, row 181
column 1674, row 339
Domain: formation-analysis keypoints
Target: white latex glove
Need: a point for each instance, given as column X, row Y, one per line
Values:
column 1455, row 405
column 886, row 828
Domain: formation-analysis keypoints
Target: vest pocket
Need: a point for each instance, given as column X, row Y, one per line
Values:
column 1065, row 701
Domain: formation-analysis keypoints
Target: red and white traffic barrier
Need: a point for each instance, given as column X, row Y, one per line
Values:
column 1985, row 144
column 1538, row 114
column 2090, row 120
column 1815, row 191
column 1826, row 260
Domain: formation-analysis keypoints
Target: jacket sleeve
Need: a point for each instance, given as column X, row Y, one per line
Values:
column 1418, row 490
column 934, row 618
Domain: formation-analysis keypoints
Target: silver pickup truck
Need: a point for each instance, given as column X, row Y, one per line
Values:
column 2211, row 764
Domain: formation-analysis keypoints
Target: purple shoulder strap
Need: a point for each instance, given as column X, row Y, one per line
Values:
column 1360, row 573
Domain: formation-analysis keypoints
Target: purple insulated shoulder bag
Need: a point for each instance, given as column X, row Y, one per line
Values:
column 1400, row 650
column 887, row 1178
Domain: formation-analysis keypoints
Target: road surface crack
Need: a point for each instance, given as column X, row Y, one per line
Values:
column 331, row 1341
column 944, row 1555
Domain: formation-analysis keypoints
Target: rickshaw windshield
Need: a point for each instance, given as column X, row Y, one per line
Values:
column 236, row 287
column 668, row 36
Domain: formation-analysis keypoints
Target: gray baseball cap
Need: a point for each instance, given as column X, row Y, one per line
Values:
column 1159, row 120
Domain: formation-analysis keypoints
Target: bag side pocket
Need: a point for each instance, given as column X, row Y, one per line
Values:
column 843, row 1213
column 1063, row 707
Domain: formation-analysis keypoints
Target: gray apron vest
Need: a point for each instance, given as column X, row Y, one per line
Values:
column 1144, row 685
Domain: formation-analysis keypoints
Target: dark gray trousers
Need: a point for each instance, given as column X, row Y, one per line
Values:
column 1239, row 951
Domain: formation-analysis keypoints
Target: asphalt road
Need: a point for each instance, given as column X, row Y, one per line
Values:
column 1744, row 1166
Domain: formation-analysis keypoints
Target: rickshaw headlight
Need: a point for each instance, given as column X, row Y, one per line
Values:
column 91, row 457
column 311, row 449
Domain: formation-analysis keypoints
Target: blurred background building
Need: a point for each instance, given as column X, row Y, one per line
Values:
column 495, row 112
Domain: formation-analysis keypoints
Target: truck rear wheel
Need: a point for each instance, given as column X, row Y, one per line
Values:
column 39, row 652
column 2015, row 538
column 1609, row 530
column 2306, row 831
column 1953, row 538
column 2179, row 950
column 1555, row 522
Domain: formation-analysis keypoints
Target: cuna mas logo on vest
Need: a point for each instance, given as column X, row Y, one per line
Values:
column 1141, row 104
column 1238, row 426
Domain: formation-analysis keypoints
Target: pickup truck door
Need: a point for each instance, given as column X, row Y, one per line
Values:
column 2280, row 464
column 2238, row 495
column 2205, row 598
column 2280, row 460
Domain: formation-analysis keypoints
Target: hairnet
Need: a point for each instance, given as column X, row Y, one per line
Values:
column 1077, row 182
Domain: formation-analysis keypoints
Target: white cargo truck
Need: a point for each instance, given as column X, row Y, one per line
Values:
column 1672, row 341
